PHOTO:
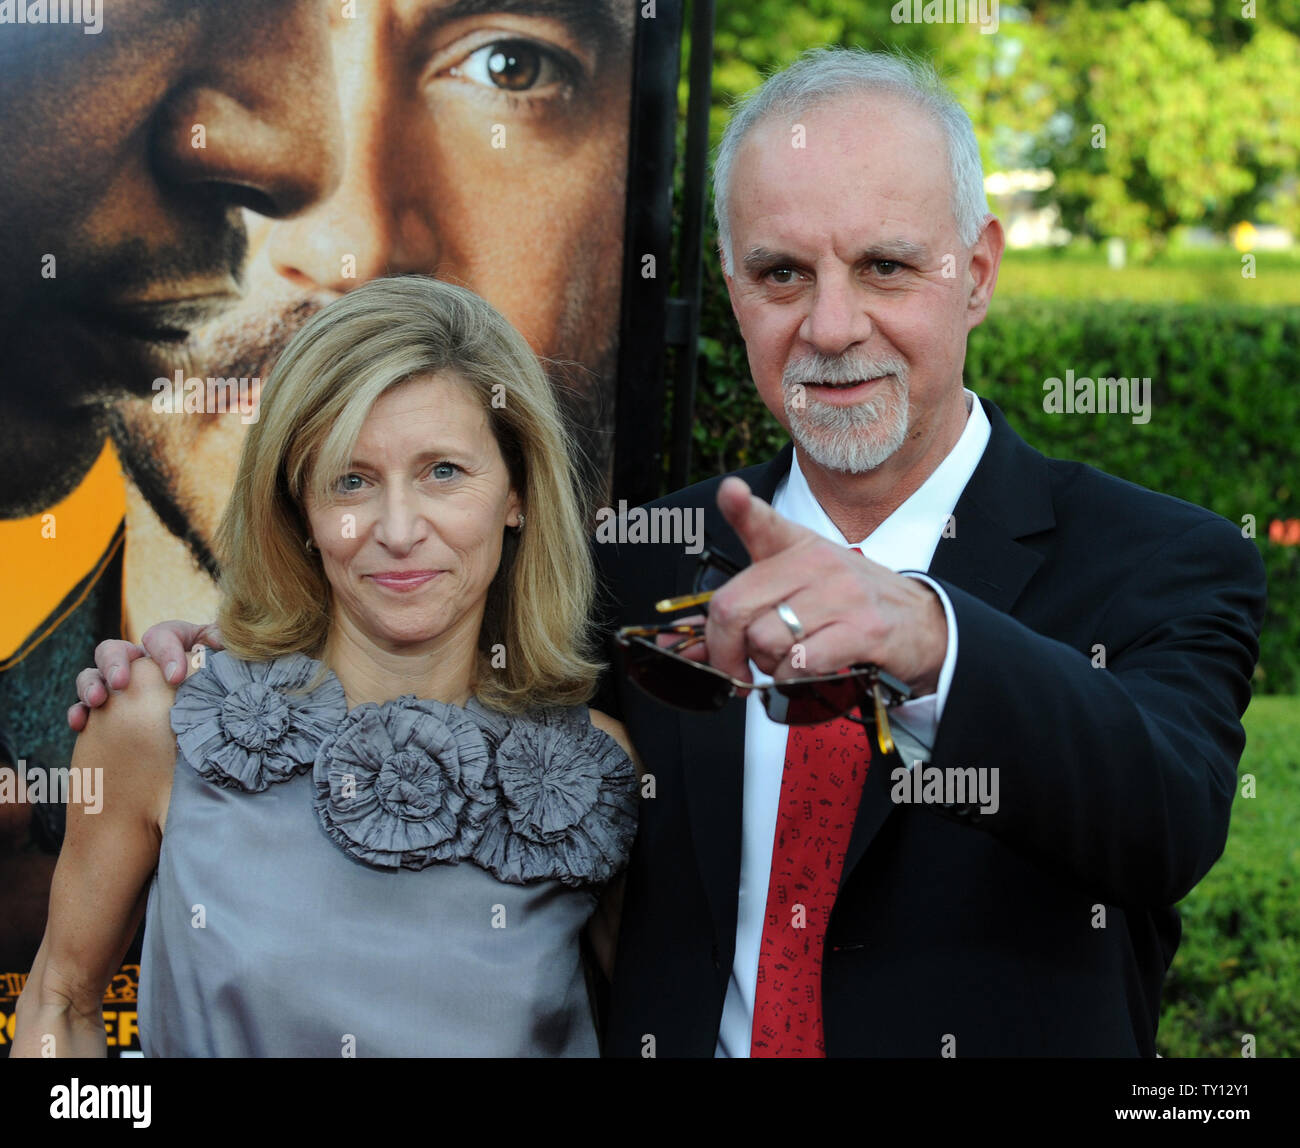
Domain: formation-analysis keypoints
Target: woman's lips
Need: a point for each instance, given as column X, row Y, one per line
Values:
column 404, row 581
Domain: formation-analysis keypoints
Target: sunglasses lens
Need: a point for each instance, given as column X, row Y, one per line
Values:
column 714, row 571
column 674, row 680
column 809, row 703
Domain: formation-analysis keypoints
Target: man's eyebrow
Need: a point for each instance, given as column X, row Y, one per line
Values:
column 896, row 250
column 578, row 14
column 759, row 259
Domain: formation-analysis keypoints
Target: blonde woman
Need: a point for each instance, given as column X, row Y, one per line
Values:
column 378, row 822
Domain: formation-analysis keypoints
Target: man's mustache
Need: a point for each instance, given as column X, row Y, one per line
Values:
column 249, row 343
column 847, row 368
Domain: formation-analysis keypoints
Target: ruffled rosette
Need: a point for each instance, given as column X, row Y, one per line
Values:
column 568, row 803
column 405, row 784
column 247, row 725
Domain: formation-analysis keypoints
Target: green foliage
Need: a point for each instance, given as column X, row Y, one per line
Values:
column 1237, row 970
column 1221, row 433
column 1197, row 100
column 1192, row 133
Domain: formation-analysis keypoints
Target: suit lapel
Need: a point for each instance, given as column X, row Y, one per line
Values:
column 1007, row 498
column 713, row 744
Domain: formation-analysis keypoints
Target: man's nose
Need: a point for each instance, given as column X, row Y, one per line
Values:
column 837, row 317
column 377, row 223
column 259, row 126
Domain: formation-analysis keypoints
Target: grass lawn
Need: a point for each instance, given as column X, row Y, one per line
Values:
column 1237, row 972
column 1210, row 276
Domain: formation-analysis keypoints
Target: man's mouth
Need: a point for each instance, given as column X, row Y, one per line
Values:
column 121, row 346
column 847, row 391
column 164, row 321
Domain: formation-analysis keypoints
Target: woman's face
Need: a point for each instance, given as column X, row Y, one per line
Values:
column 411, row 540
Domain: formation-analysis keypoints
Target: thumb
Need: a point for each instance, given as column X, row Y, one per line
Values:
column 758, row 526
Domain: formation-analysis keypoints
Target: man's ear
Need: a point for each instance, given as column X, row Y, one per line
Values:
column 985, row 260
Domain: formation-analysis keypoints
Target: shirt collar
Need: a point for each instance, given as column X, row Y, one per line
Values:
column 907, row 539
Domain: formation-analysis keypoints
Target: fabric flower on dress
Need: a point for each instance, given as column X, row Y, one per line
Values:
column 568, row 803
column 246, row 725
column 404, row 783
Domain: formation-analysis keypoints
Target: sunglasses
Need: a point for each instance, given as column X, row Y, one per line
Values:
column 668, row 676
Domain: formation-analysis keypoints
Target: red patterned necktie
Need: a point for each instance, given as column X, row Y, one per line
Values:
column 821, row 786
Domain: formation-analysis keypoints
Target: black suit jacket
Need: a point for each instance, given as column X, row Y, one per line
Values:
column 1044, row 929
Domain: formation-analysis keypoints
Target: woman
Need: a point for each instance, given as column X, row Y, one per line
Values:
column 377, row 823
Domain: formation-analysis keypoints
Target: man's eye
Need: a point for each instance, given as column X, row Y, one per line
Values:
column 781, row 276
column 887, row 267
column 510, row 66
column 444, row 470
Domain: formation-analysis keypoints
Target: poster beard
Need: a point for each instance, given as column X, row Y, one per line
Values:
column 184, row 464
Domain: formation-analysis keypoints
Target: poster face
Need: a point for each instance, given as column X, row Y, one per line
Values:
column 183, row 185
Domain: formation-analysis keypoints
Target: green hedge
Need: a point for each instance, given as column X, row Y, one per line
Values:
column 1225, row 400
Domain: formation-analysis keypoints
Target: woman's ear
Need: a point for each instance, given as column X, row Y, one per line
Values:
column 514, row 510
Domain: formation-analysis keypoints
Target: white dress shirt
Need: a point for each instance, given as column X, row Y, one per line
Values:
column 906, row 540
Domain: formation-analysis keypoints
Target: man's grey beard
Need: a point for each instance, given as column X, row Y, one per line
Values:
column 851, row 439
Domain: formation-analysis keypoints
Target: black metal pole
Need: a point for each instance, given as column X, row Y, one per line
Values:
column 687, row 303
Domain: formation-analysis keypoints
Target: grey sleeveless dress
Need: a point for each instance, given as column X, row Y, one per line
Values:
column 405, row 879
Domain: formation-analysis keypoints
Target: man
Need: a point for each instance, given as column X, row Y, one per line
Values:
column 484, row 144
column 1078, row 653
column 129, row 156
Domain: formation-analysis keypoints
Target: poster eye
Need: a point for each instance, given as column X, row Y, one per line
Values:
column 511, row 66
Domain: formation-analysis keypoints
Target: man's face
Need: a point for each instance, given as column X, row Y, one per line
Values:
column 127, row 158
column 487, row 149
column 852, row 290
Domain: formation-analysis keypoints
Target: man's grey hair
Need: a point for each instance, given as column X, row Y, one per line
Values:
column 823, row 74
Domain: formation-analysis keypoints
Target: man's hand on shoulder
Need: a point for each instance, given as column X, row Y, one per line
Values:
column 166, row 643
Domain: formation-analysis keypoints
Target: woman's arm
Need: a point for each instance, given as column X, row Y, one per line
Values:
column 123, row 764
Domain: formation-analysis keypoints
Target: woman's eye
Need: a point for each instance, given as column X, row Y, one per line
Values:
column 444, row 470
column 349, row 483
column 510, row 66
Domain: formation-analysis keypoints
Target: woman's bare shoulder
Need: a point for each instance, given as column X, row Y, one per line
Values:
column 617, row 730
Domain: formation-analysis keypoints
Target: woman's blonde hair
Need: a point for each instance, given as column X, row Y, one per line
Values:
column 275, row 597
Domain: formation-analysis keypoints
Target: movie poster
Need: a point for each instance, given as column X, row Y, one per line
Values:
column 182, row 185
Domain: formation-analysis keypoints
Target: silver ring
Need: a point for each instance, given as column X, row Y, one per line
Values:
column 791, row 619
